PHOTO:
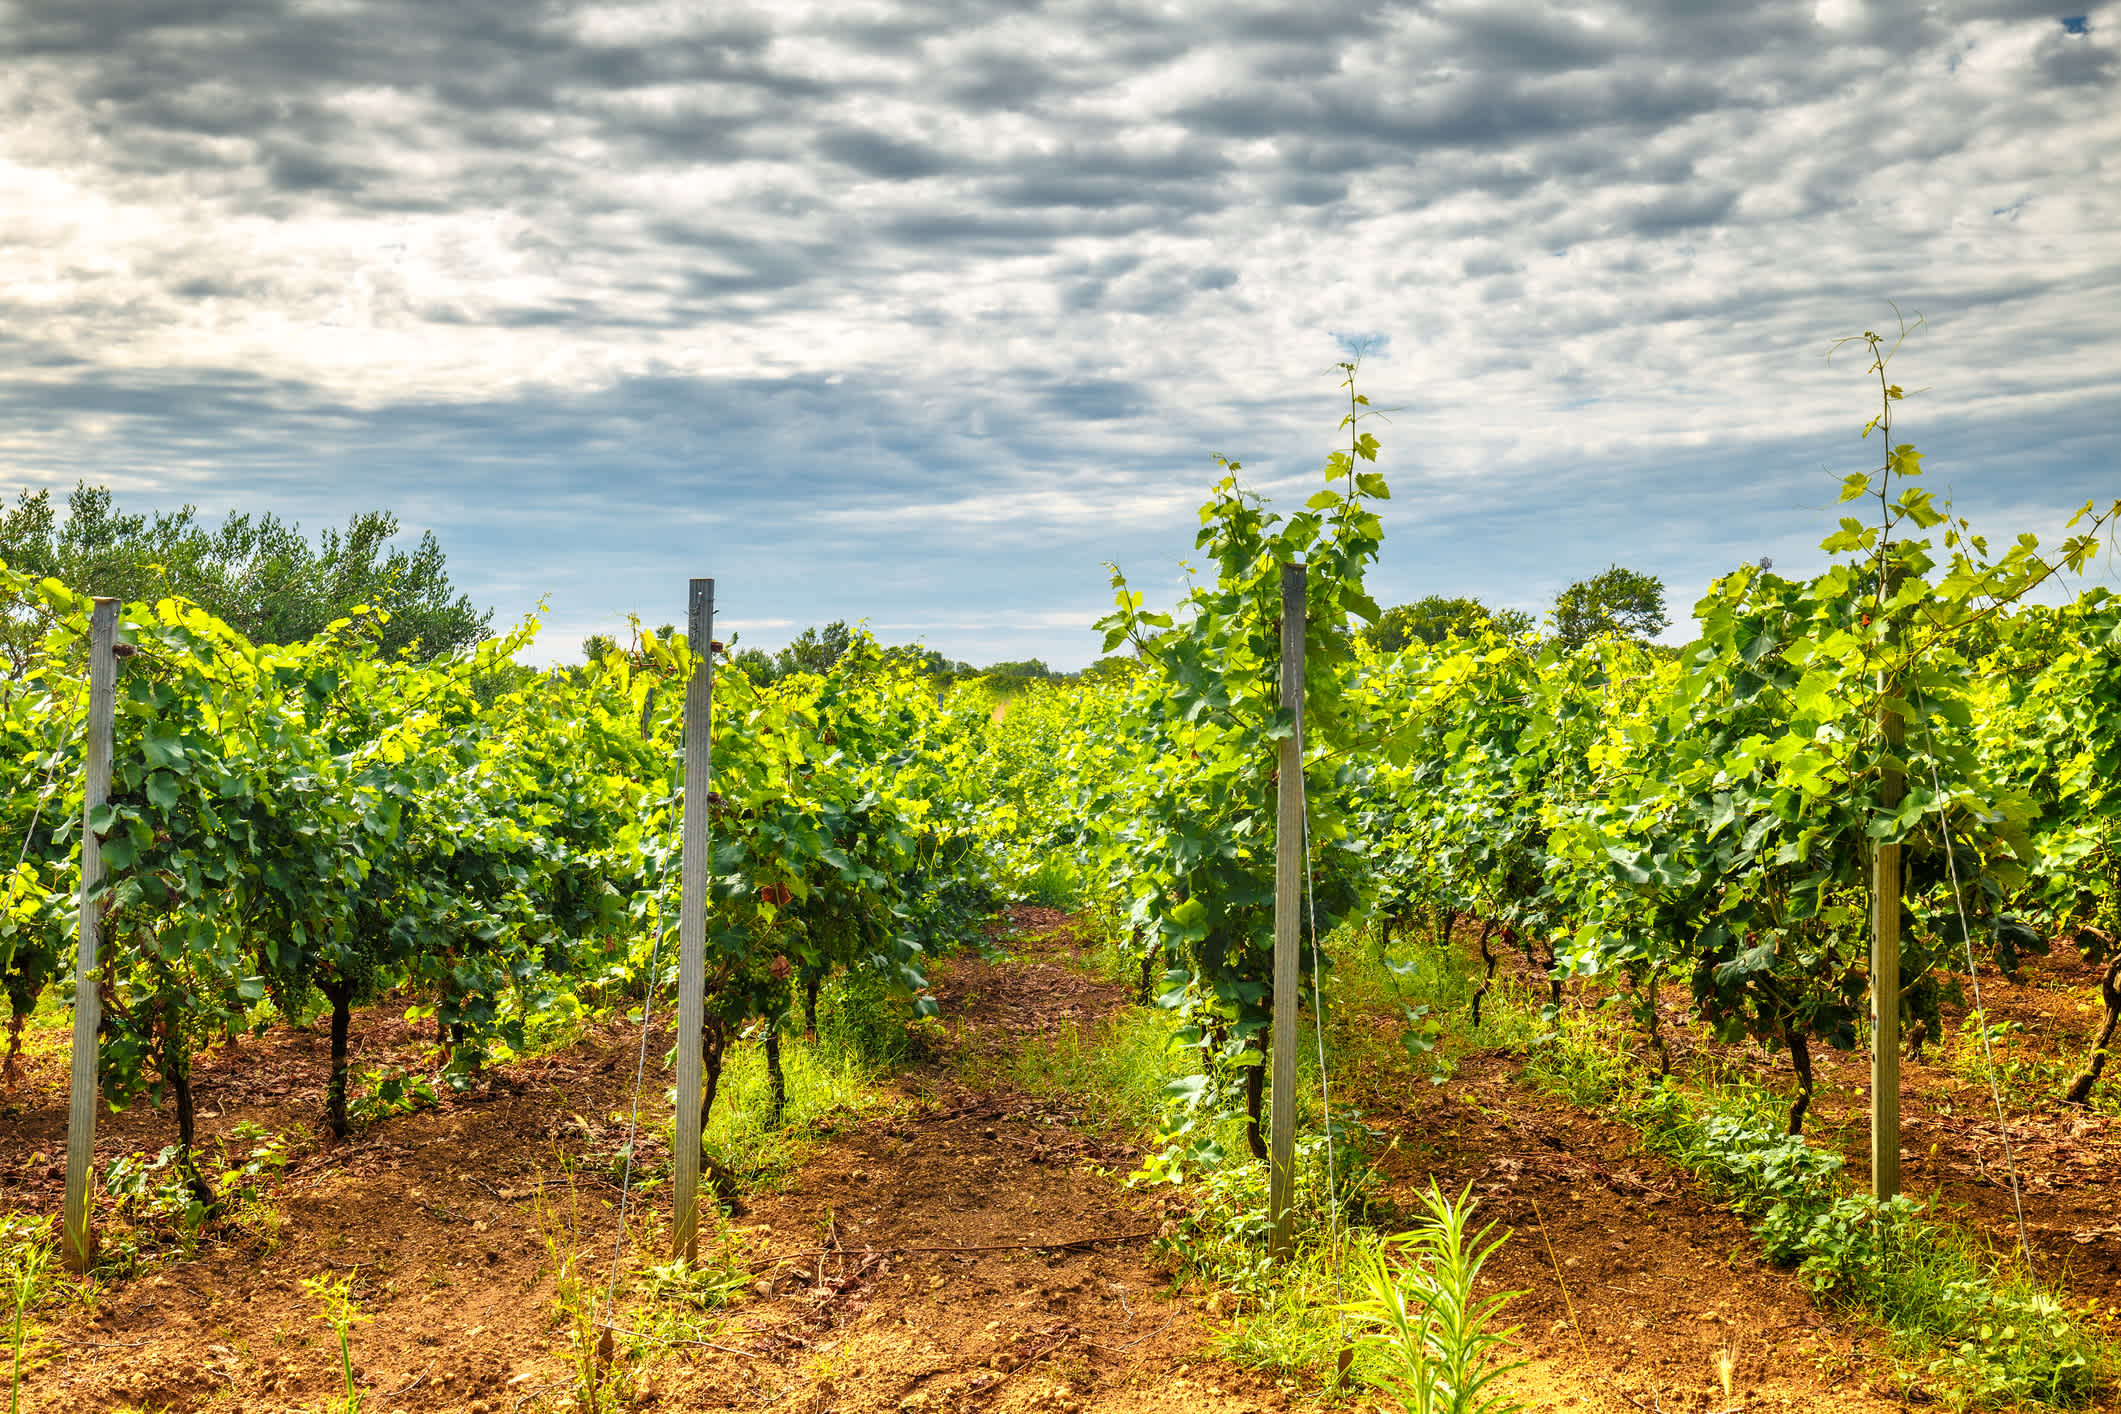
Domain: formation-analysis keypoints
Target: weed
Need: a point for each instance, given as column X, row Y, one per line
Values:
column 1975, row 1331
column 707, row 1285
column 678, row 1299
column 1284, row 1313
column 154, row 1209
column 825, row 1082
column 1054, row 884
column 1984, row 1334
column 155, row 1212
column 2022, row 1067
column 383, row 1094
column 1127, row 1062
column 859, row 1017
column 338, row 1309
column 25, row 1252
column 1436, row 1340
column 590, row 1350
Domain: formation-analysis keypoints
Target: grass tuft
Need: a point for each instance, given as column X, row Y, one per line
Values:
column 861, row 1032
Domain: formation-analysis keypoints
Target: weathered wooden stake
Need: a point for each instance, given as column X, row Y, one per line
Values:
column 692, row 918
column 1885, row 978
column 1288, row 900
column 77, row 1239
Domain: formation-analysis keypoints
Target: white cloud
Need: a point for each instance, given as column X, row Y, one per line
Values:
column 1019, row 273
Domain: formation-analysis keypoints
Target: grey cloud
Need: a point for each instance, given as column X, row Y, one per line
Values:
column 1177, row 182
column 2070, row 58
column 308, row 172
column 1014, row 233
column 1467, row 112
column 1307, row 188
column 1682, row 209
column 1531, row 38
column 1095, row 399
column 682, row 133
column 876, row 155
column 1328, row 26
column 990, row 83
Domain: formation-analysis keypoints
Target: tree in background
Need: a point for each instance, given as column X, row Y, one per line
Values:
column 1621, row 601
column 753, row 663
column 818, row 650
column 926, row 660
column 1436, row 617
column 259, row 574
column 815, row 650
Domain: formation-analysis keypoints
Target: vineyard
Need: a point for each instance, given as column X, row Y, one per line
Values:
column 1606, row 945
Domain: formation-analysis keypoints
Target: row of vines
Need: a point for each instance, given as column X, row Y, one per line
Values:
column 1704, row 817
column 315, row 825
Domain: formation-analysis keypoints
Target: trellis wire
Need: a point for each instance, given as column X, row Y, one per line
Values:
column 633, row 1125
column 1325, row 1096
column 44, row 793
column 1966, row 936
column 640, row 1070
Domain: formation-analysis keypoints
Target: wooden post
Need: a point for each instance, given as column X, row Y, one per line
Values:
column 1288, row 899
column 77, row 1239
column 692, row 918
column 1885, row 976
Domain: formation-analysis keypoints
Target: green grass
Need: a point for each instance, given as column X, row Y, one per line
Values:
column 1054, row 884
column 27, row 1261
column 1123, row 1064
column 861, row 1033
column 1968, row 1325
column 1971, row 1326
column 47, row 1032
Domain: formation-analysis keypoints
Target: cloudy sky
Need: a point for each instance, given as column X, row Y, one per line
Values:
column 920, row 311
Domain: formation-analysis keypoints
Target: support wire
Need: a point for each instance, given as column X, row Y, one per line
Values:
column 44, row 793
column 633, row 1125
column 1325, row 1096
column 1966, row 936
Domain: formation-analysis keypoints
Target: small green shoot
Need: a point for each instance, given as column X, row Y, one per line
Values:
column 24, row 1276
column 338, row 1308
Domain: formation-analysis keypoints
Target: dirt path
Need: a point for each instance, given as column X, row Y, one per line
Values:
column 431, row 1217
column 434, row 1217
column 963, row 1247
column 924, row 1251
column 1641, row 1294
column 2067, row 1159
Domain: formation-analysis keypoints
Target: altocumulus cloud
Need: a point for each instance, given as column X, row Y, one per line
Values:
column 921, row 310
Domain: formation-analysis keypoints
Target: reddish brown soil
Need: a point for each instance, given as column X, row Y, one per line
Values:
column 1634, row 1289
column 2067, row 1158
column 1952, row 1150
column 426, row 1212
column 434, row 1215
column 964, row 1246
